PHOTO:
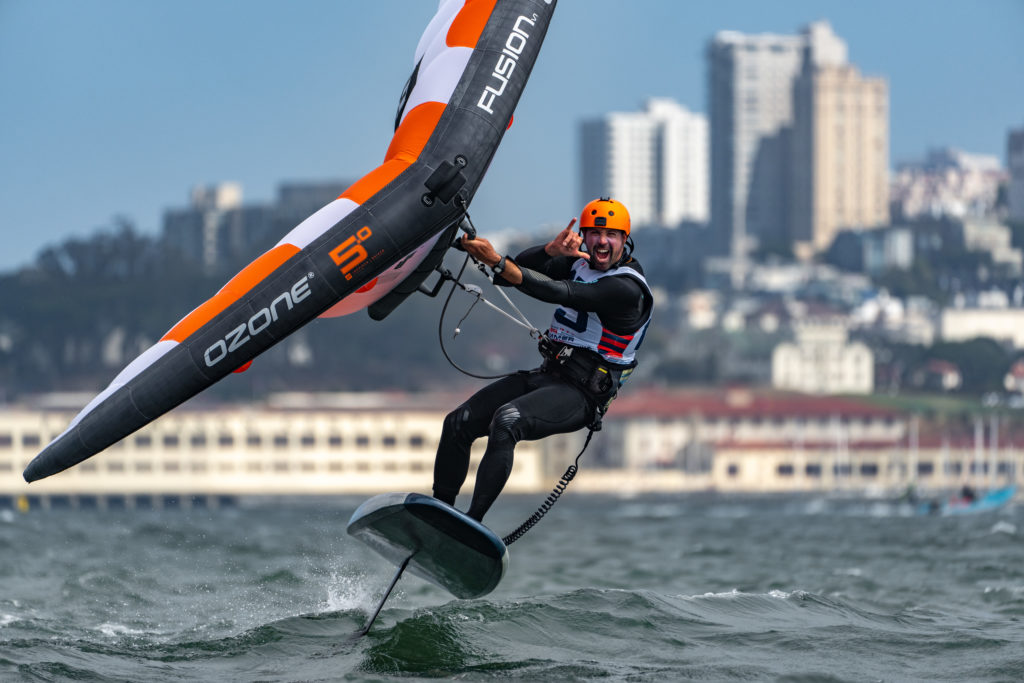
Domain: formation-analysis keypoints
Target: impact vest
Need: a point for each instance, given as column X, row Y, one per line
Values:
column 583, row 329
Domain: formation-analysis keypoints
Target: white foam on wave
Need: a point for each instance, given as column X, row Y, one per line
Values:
column 7, row 619
column 1004, row 527
column 7, row 516
column 736, row 594
column 730, row 594
column 1015, row 591
column 115, row 630
column 351, row 592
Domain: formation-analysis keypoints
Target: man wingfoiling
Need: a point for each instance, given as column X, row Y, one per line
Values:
column 604, row 308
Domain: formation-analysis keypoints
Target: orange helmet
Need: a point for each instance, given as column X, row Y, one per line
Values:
column 605, row 213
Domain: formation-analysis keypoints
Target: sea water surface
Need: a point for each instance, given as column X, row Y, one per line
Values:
column 638, row 589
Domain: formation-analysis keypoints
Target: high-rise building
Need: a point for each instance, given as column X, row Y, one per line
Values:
column 840, row 150
column 216, row 230
column 799, row 141
column 296, row 201
column 205, row 231
column 750, row 109
column 655, row 162
column 1015, row 162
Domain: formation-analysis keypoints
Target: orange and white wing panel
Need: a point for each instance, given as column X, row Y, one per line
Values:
column 470, row 68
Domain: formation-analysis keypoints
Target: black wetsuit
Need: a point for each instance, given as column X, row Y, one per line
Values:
column 538, row 403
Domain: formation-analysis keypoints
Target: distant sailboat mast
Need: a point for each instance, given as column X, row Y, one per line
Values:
column 994, row 450
column 979, row 451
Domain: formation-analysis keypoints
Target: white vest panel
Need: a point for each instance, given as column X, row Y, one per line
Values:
column 584, row 329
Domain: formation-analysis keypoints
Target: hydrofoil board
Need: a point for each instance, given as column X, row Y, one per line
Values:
column 442, row 545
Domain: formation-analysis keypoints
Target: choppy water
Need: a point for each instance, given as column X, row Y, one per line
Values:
column 645, row 589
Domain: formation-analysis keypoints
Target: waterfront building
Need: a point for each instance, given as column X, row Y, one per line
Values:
column 741, row 441
column 734, row 441
column 293, row 445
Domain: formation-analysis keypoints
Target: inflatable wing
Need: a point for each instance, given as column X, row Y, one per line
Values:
column 471, row 66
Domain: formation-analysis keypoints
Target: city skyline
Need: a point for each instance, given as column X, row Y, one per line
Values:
column 131, row 105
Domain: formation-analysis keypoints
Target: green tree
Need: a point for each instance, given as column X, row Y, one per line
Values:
column 983, row 363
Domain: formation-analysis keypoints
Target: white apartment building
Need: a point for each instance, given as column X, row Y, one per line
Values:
column 654, row 161
column 1005, row 325
column 910, row 321
column 949, row 182
column 988, row 235
column 823, row 361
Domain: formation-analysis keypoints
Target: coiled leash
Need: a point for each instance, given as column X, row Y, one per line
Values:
column 552, row 498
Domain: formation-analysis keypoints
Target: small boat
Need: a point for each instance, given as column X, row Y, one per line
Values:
column 969, row 504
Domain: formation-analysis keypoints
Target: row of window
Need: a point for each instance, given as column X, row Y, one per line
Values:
column 32, row 440
column 115, row 501
column 779, row 420
column 870, row 469
column 277, row 466
column 252, row 440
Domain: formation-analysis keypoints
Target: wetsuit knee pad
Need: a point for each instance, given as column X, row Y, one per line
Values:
column 456, row 420
column 504, row 422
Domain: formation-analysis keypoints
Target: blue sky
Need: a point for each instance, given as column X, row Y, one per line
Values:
column 119, row 107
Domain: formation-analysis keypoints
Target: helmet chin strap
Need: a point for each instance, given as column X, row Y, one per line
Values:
column 627, row 252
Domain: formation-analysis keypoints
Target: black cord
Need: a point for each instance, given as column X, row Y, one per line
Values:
column 552, row 498
column 440, row 329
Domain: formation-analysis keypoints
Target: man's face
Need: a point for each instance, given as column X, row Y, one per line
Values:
column 604, row 245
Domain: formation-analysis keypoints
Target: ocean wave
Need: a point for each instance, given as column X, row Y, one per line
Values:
column 726, row 590
column 582, row 634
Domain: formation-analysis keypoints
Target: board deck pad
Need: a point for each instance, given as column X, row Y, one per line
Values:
column 447, row 548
